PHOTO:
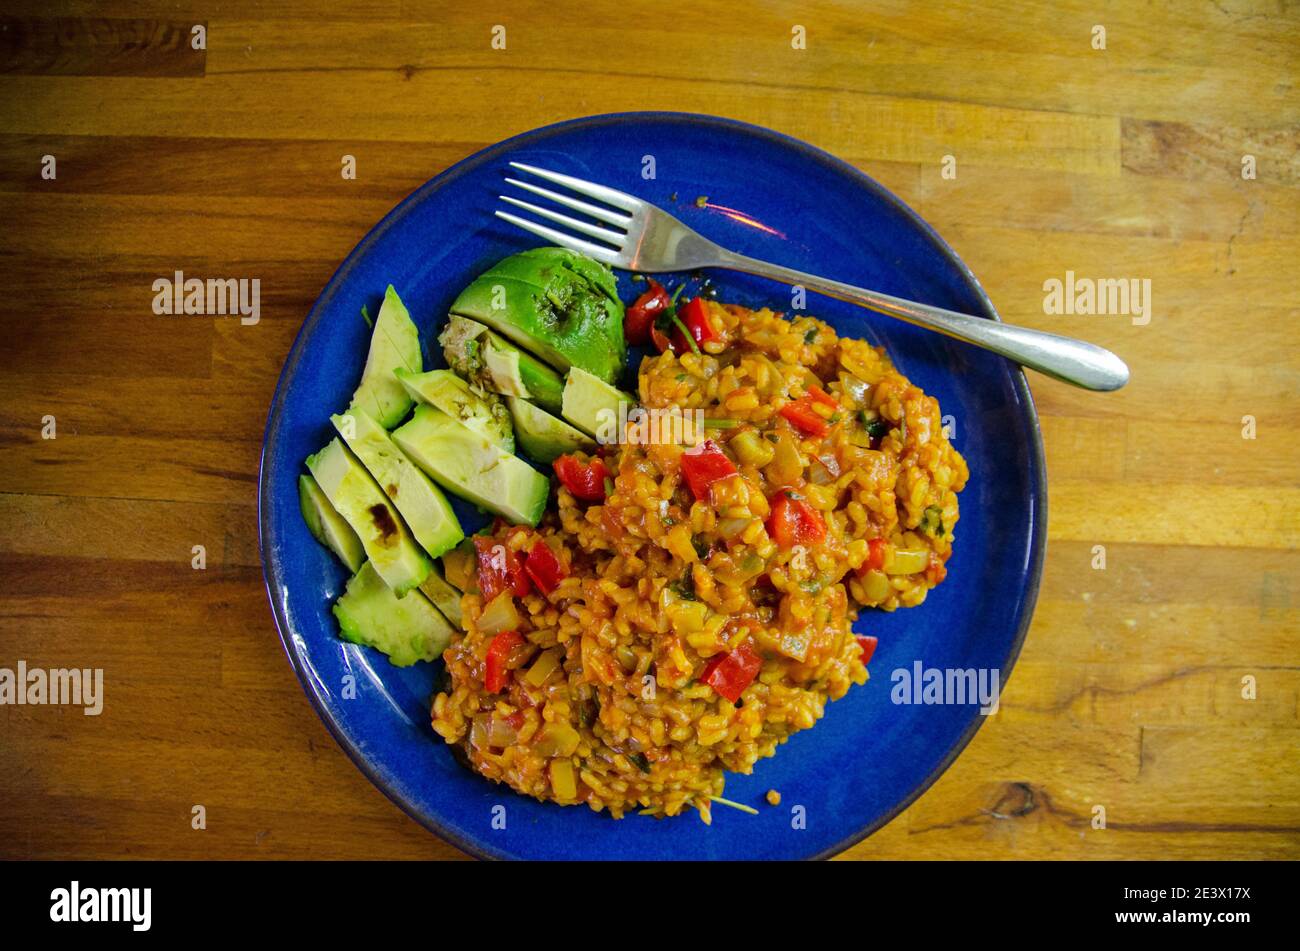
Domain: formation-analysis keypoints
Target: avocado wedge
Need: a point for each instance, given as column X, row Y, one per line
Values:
column 421, row 503
column 593, row 405
column 406, row 629
column 327, row 526
column 542, row 436
column 444, row 597
column 394, row 343
column 484, row 413
column 489, row 361
column 465, row 463
column 559, row 304
column 356, row 496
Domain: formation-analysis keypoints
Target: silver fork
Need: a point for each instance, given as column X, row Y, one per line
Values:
column 645, row 238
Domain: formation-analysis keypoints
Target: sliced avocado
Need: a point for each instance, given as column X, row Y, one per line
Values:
column 482, row 412
column 406, row 629
column 465, row 463
column 356, row 496
column 444, row 597
column 394, row 343
column 426, row 510
column 592, row 405
column 562, row 306
column 543, row 436
column 492, row 363
column 327, row 526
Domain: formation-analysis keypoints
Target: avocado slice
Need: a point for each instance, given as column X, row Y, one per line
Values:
column 394, row 343
column 490, row 362
column 444, row 597
column 559, row 304
column 327, row 526
column 421, row 503
column 543, row 436
column 465, row 463
column 356, row 496
column 592, row 405
column 406, row 629
column 482, row 412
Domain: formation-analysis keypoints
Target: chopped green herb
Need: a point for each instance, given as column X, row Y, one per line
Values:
column 810, row 336
column 876, row 428
column 639, row 759
column 702, row 546
column 684, row 588
column 932, row 522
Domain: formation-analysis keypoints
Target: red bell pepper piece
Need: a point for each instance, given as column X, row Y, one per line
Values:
column 585, row 480
column 641, row 316
column 543, row 567
column 802, row 413
column 695, row 315
column 495, row 672
column 868, row 645
column 499, row 569
column 804, row 418
column 704, row 465
column 729, row 674
column 794, row 522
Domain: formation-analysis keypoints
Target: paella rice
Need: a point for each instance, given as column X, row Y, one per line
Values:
column 696, row 599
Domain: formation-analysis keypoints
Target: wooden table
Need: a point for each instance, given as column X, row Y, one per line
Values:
column 226, row 161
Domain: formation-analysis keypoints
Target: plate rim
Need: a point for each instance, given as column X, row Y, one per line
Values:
column 271, row 573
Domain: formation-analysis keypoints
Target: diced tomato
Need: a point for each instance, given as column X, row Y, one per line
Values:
column 585, row 480
column 660, row 339
column 868, row 645
column 704, row 465
column 499, row 569
column 794, row 522
column 641, row 316
column 729, row 674
column 495, row 672
column 875, row 556
column 936, row 570
column 695, row 315
column 543, row 567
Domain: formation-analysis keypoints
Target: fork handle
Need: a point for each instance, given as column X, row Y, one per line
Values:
column 1063, row 358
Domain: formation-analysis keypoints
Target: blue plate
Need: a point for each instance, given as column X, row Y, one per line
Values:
column 768, row 196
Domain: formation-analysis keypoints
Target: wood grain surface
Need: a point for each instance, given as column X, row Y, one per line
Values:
column 1122, row 162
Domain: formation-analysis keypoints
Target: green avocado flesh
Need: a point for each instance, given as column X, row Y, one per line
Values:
column 421, row 503
column 465, row 463
column 357, row 497
column 490, row 362
column 560, row 305
column 484, row 413
column 444, row 597
column 327, row 526
column 592, row 405
column 543, row 436
column 406, row 629
column 394, row 344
